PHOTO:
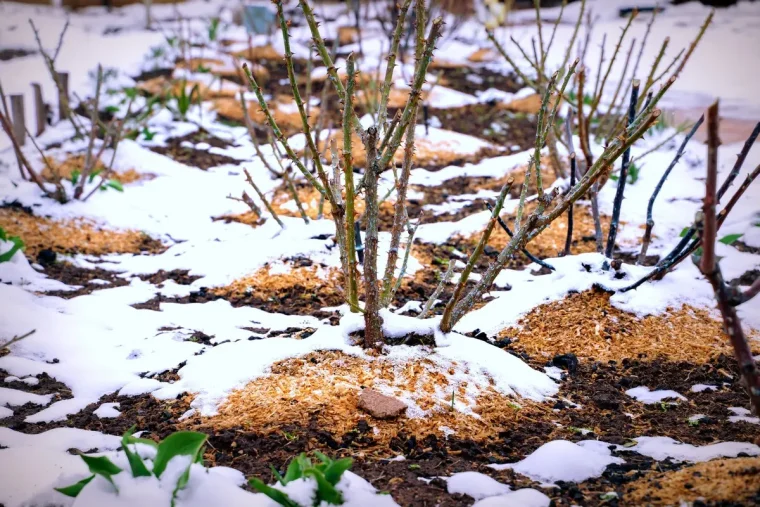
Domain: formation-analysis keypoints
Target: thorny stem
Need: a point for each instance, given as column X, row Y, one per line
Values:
column 310, row 146
column 437, row 292
column 650, row 207
column 525, row 251
column 446, row 324
column 373, row 335
column 278, row 133
column 263, row 199
column 539, row 138
column 348, row 173
column 623, row 178
column 537, row 221
column 614, row 102
column 399, row 217
column 414, row 95
column 388, row 81
column 292, row 189
column 332, row 72
column 254, row 139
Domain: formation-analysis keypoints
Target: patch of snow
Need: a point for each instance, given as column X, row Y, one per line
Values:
column 16, row 398
column 526, row 497
column 742, row 415
column 560, row 460
column 554, row 372
column 107, row 410
column 476, row 485
column 698, row 388
column 661, row 448
column 5, row 412
column 644, row 395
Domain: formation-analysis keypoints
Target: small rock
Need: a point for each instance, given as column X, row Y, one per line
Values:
column 379, row 405
column 606, row 401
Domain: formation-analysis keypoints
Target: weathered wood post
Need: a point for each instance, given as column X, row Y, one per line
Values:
column 40, row 110
column 63, row 97
column 18, row 118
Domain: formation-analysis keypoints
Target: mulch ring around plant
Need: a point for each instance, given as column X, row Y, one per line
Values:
column 199, row 154
column 71, row 236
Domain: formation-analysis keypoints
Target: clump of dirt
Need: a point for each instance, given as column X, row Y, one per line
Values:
column 468, row 79
column 303, row 290
column 178, row 276
column 72, row 236
column 736, row 481
column 193, row 156
column 325, row 387
column 89, row 279
column 589, row 326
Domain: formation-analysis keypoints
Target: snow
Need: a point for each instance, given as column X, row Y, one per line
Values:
column 698, row 388
column 107, row 410
column 476, row 485
column 742, row 415
column 661, row 448
column 560, row 460
column 5, row 412
column 644, row 395
column 16, row 398
column 526, row 497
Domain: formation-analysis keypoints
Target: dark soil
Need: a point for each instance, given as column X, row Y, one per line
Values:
column 10, row 54
column 491, row 123
column 73, row 275
column 202, row 159
column 179, row 276
column 471, row 80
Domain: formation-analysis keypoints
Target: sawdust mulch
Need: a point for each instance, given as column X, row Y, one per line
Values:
column 324, row 387
column 587, row 325
column 73, row 236
column 63, row 169
column 736, row 481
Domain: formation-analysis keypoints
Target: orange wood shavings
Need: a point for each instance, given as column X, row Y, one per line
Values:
column 587, row 325
column 266, row 284
column 283, row 109
column 735, row 481
column 324, row 387
column 54, row 169
column 73, row 236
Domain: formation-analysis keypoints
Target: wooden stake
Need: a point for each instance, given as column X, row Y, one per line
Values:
column 63, row 98
column 18, row 118
column 40, row 109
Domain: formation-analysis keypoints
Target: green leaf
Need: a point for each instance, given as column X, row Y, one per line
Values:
column 326, row 492
column 277, row 475
column 93, row 174
column 75, row 176
column 135, row 461
column 730, row 239
column 101, row 465
column 295, row 469
column 136, row 440
column 323, row 458
column 336, row 469
column 684, row 232
column 275, row 494
column 111, row 109
column 116, row 185
column 73, row 490
column 3, row 236
column 17, row 245
column 181, row 443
